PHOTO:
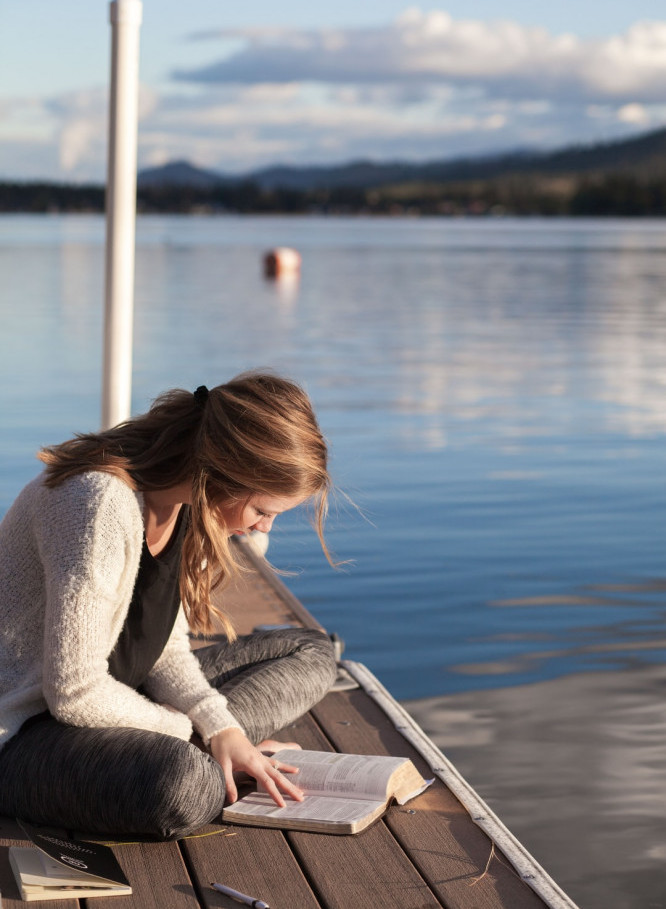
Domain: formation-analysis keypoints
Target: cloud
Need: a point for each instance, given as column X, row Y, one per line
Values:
column 70, row 129
column 238, row 127
column 502, row 58
column 633, row 113
column 425, row 86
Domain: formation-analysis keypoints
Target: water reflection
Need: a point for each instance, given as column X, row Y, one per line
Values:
column 524, row 337
column 576, row 768
column 626, row 642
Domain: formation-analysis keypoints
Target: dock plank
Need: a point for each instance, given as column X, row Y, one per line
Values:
column 454, row 856
column 257, row 595
column 158, row 877
column 253, row 860
column 367, row 869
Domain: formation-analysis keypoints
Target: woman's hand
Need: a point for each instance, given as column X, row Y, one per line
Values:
column 234, row 751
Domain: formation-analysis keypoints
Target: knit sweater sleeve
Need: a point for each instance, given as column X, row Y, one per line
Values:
column 89, row 534
column 177, row 679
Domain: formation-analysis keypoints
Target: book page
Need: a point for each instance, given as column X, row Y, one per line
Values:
column 315, row 808
column 354, row 775
column 406, row 793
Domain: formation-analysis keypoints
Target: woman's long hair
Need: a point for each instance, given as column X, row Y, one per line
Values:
column 256, row 434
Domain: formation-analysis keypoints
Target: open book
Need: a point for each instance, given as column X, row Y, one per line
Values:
column 61, row 869
column 344, row 793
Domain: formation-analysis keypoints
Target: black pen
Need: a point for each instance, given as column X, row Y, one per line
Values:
column 240, row 897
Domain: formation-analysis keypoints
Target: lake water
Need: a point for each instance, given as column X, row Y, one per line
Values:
column 494, row 392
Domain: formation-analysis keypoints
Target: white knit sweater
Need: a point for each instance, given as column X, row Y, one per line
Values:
column 69, row 557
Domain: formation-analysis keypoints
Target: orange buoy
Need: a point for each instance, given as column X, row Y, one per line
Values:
column 282, row 261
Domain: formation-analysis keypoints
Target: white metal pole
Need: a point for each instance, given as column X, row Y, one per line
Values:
column 121, row 211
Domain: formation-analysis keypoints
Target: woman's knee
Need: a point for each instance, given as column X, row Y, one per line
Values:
column 321, row 656
column 185, row 792
column 119, row 781
column 311, row 668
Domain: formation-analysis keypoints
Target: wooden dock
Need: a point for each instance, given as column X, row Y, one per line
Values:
column 427, row 854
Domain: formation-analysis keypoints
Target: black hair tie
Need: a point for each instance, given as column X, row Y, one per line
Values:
column 201, row 396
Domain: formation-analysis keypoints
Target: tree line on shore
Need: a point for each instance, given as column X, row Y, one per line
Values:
column 607, row 194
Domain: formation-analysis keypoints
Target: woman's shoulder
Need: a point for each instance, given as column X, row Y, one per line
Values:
column 95, row 491
column 99, row 482
column 94, row 483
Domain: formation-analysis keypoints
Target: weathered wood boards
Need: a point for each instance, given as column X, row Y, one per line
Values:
column 158, row 877
column 452, row 854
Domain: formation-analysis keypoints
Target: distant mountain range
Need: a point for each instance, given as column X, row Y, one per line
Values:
column 643, row 156
column 620, row 179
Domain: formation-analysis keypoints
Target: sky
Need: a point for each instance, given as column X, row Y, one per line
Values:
column 236, row 87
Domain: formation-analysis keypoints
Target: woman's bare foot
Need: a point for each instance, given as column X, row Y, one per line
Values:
column 270, row 746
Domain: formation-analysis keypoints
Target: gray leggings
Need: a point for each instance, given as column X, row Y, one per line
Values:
column 130, row 782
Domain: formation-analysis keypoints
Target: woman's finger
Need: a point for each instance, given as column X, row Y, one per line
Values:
column 286, row 785
column 229, row 782
column 269, row 784
column 285, row 768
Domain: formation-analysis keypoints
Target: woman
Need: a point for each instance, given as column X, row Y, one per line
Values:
column 99, row 689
